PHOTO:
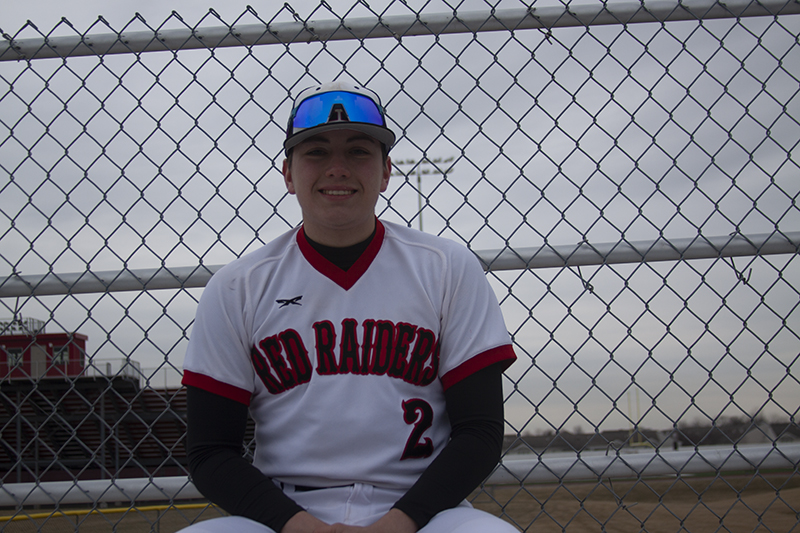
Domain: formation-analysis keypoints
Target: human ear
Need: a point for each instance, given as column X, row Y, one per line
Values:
column 387, row 172
column 287, row 176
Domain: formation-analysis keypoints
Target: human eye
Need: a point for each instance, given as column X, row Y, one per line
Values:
column 314, row 151
column 361, row 150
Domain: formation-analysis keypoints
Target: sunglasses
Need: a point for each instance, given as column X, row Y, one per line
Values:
column 336, row 106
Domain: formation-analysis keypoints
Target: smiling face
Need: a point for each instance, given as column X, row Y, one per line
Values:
column 337, row 177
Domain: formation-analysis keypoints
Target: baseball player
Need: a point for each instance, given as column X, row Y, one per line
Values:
column 369, row 355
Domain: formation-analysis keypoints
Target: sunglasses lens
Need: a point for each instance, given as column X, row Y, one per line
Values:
column 326, row 107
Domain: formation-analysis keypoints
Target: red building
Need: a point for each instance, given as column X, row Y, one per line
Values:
column 66, row 416
column 27, row 352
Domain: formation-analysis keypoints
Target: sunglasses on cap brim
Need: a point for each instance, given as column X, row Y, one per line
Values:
column 336, row 106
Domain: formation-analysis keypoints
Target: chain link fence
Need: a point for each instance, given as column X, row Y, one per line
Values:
column 627, row 172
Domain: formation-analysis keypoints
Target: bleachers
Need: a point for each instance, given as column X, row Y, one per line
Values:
column 90, row 428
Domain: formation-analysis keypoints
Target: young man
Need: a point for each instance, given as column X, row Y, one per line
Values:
column 370, row 355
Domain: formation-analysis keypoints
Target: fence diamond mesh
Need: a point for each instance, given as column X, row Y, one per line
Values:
column 627, row 173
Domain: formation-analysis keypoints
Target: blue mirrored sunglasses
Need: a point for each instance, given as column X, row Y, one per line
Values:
column 322, row 108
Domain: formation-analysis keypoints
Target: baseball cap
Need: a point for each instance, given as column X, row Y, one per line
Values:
column 334, row 106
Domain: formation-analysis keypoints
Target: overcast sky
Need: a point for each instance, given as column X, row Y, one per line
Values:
column 540, row 167
column 46, row 14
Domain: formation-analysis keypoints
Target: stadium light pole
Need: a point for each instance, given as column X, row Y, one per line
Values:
column 420, row 167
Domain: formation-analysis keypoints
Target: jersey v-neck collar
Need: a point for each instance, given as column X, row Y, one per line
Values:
column 344, row 278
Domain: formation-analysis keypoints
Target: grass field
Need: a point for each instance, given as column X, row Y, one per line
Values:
column 691, row 504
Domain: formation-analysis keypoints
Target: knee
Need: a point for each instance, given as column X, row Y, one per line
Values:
column 227, row 524
column 467, row 520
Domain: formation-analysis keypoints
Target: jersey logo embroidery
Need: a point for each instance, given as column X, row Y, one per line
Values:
column 374, row 347
column 418, row 413
column 290, row 301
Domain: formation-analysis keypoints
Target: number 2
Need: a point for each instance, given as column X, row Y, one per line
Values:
column 420, row 414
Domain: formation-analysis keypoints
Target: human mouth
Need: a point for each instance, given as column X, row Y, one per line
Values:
column 337, row 192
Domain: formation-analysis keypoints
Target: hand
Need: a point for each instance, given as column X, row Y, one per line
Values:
column 304, row 522
column 395, row 521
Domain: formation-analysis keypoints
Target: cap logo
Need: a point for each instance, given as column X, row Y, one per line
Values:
column 338, row 114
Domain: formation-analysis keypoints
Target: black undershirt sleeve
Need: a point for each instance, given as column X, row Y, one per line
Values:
column 214, row 442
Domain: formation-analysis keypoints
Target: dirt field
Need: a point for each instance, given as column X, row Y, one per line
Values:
column 695, row 505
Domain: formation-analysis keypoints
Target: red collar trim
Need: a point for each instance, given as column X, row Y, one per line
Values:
column 348, row 278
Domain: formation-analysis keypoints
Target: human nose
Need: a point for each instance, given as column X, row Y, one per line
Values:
column 337, row 167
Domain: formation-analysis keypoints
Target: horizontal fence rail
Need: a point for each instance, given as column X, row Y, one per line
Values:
column 98, row 491
column 548, row 469
column 582, row 254
column 568, row 15
column 542, row 469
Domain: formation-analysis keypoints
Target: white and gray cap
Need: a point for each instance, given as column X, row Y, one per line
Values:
column 337, row 105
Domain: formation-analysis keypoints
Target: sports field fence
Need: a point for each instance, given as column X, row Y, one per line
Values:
column 626, row 171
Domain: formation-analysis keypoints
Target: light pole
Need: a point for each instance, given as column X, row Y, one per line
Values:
column 422, row 167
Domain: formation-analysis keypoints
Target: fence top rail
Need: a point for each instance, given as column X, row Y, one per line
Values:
column 546, row 256
column 393, row 26
column 545, row 468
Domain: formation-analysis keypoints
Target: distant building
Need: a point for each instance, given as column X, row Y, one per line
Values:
column 27, row 352
column 65, row 415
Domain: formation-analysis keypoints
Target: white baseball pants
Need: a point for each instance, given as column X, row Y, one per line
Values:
column 361, row 505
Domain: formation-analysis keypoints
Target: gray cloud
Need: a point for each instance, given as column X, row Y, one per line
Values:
column 176, row 159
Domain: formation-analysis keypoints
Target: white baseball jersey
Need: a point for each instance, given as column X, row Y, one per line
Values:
column 345, row 371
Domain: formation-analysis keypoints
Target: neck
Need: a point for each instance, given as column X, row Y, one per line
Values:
column 339, row 238
column 342, row 257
